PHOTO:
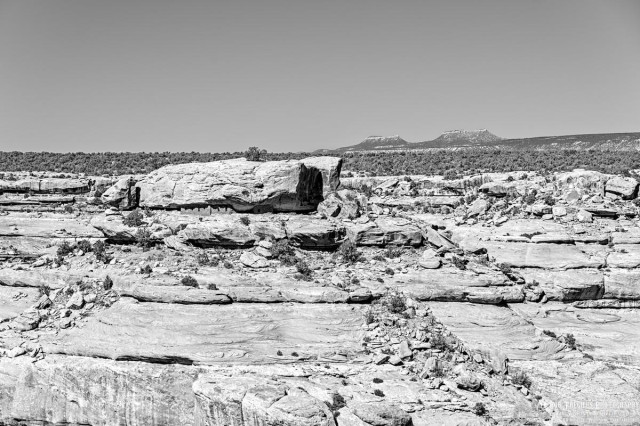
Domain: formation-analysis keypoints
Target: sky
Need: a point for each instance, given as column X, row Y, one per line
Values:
column 299, row 75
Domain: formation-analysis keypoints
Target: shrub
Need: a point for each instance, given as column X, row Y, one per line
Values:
column 348, row 252
column 283, row 251
column 549, row 200
column 479, row 409
column 68, row 208
column 504, row 268
column 521, row 378
column 133, row 219
column 143, row 238
column 203, row 259
column 550, row 333
column 438, row 341
column 43, row 290
column 379, row 258
column 394, row 303
column 228, row 264
column 147, row 269
column 279, row 353
column 189, row 281
column 378, row 392
column 510, row 179
column 438, row 370
column 377, row 380
column 212, row 286
column 337, row 403
column 303, row 269
column 530, row 198
column 245, row 220
column 450, row 174
column 459, row 263
column 393, row 252
column 570, row 341
column 295, row 354
column 389, row 271
column 107, row 283
column 369, row 317
column 367, row 191
column 84, row 245
column 64, row 249
column 255, row 154
column 99, row 249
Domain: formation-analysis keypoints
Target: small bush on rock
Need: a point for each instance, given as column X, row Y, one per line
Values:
column 133, row 219
column 394, row 303
column 393, row 252
column 245, row 220
column 283, row 251
column 378, row 392
column 337, row 403
column 521, row 378
column 64, row 249
column 570, row 341
column 348, row 252
column 107, row 283
column 304, row 270
column 143, row 238
column 84, row 245
column 479, row 409
column 99, row 249
column 189, row 281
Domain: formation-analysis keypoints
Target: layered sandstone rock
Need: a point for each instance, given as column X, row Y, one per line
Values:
column 123, row 194
column 240, row 184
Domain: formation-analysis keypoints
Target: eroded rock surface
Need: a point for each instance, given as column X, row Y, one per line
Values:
column 235, row 298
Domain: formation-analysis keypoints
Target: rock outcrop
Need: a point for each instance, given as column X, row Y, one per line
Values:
column 243, row 185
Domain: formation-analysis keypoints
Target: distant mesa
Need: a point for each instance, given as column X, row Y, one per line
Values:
column 473, row 136
column 482, row 138
column 380, row 142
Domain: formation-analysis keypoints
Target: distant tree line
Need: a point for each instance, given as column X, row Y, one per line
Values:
column 450, row 162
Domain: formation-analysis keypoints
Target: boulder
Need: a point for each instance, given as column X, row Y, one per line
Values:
column 330, row 168
column 625, row 187
column 468, row 381
column 343, row 204
column 122, row 194
column 252, row 260
column 245, row 186
column 559, row 211
column 379, row 413
column 219, row 231
column 386, row 231
column 479, row 206
column 310, row 233
column 437, row 239
column 429, row 260
column 567, row 286
column 28, row 320
column 584, row 216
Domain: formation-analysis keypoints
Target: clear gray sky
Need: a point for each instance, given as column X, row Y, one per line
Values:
column 297, row 75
